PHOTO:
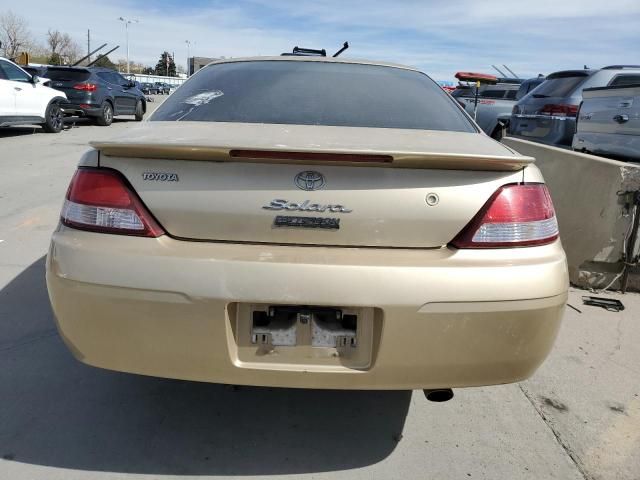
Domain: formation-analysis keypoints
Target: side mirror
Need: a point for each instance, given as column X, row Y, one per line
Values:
column 35, row 79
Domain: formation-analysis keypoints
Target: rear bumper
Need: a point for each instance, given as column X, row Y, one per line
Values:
column 613, row 144
column 444, row 318
column 543, row 128
column 76, row 110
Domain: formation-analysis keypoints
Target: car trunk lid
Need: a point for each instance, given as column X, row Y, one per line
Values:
column 66, row 80
column 314, row 185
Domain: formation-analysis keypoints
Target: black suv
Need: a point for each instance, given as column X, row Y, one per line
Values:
column 163, row 88
column 149, row 88
column 99, row 93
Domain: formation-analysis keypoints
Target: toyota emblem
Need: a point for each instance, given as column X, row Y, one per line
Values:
column 309, row 180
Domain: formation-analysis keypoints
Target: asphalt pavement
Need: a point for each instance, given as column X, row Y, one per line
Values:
column 577, row 417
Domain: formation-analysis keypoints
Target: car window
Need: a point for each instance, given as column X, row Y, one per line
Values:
column 68, row 74
column 14, row 73
column 527, row 86
column 492, row 93
column 314, row 93
column 104, row 76
column 119, row 79
column 511, row 94
column 559, row 87
column 628, row 79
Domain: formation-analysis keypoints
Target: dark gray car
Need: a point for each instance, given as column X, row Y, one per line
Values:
column 98, row 93
column 548, row 113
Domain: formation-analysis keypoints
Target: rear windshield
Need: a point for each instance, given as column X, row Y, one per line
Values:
column 67, row 75
column 527, row 86
column 559, row 87
column 314, row 93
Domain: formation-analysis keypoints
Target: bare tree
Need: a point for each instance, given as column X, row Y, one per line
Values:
column 57, row 41
column 14, row 34
column 63, row 49
column 73, row 51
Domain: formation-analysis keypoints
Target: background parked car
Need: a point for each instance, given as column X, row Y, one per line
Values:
column 163, row 88
column 609, row 122
column 504, row 116
column 98, row 93
column 494, row 102
column 24, row 100
column 149, row 88
column 548, row 113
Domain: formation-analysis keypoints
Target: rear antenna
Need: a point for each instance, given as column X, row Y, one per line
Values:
column 345, row 45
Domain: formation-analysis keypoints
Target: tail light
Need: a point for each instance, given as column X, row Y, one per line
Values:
column 559, row 110
column 85, row 87
column 519, row 215
column 100, row 200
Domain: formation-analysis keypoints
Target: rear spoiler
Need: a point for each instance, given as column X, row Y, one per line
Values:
column 315, row 145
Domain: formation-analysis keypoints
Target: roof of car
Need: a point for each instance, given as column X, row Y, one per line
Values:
column 301, row 58
column 570, row 73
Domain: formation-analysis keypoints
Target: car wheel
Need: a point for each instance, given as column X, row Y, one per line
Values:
column 139, row 111
column 106, row 116
column 53, row 119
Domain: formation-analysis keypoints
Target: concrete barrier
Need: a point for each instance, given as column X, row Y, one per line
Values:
column 593, row 198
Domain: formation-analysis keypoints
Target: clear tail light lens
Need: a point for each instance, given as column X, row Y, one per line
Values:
column 518, row 215
column 101, row 200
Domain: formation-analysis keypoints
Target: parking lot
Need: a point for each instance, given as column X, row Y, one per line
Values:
column 578, row 417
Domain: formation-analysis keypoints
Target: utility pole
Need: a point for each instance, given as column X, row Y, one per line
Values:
column 126, row 28
column 188, row 56
column 88, row 45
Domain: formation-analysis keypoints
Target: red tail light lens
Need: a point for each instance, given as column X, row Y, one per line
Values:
column 100, row 200
column 559, row 110
column 515, row 216
column 86, row 87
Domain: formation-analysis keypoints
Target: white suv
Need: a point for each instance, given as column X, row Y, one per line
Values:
column 24, row 100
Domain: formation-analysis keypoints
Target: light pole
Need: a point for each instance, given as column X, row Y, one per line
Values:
column 188, row 46
column 126, row 29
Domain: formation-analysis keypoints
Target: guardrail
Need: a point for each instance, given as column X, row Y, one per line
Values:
column 596, row 204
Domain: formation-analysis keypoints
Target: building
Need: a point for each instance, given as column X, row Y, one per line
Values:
column 196, row 63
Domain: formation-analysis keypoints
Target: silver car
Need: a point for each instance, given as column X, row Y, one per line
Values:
column 548, row 113
column 493, row 100
column 609, row 122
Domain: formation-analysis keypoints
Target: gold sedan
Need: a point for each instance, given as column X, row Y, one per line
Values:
column 309, row 222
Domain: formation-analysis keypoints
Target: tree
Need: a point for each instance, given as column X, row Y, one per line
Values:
column 166, row 66
column 103, row 61
column 14, row 34
column 62, row 48
column 134, row 67
column 148, row 71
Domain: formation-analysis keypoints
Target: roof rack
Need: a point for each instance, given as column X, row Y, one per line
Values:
column 618, row 67
column 306, row 52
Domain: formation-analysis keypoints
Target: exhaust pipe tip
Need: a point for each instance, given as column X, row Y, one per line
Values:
column 439, row 395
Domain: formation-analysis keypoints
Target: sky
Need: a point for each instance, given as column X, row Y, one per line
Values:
column 437, row 36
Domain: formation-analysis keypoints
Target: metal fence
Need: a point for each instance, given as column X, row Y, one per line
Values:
column 157, row 78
